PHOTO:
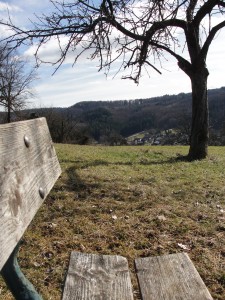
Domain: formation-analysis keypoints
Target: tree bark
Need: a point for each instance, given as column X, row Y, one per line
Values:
column 200, row 115
column 8, row 112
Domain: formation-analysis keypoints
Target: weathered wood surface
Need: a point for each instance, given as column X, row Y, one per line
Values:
column 170, row 277
column 28, row 170
column 102, row 277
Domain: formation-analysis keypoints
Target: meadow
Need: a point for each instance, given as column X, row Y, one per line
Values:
column 131, row 201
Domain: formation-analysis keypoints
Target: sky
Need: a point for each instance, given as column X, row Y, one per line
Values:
column 83, row 82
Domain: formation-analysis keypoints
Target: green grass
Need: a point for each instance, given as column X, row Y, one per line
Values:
column 159, row 202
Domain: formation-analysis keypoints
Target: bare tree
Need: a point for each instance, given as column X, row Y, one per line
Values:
column 15, row 82
column 65, row 125
column 184, row 125
column 141, row 33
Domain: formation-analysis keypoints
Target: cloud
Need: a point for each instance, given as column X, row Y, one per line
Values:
column 48, row 52
column 21, row 12
column 83, row 82
column 5, row 6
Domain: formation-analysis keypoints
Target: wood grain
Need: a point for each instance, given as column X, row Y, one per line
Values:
column 102, row 277
column 170, row 277
column 28, row 170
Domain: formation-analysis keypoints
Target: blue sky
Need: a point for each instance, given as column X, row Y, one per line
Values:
column 83, row 81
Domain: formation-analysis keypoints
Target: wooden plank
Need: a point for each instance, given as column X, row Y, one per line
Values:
column 102, row 277
column 28, row 170
column 170, row 277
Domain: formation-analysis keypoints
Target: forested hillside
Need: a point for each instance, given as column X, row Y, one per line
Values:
column 111, row 122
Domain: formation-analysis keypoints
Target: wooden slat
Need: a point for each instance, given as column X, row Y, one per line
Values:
column 102, row 277
column 170, row 277
column 24, row 169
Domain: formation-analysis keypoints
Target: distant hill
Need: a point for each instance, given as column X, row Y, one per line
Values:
column 165, row 112
column 99, row 120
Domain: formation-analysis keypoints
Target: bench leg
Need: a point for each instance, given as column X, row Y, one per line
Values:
column 18, row 284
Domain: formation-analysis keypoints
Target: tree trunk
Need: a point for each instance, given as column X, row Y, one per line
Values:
column 8, row 112
column 200, row 115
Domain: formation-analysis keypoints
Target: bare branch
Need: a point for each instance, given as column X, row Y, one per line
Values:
column 136, row 31
column 190, row 10
column 210, row 38
column 203, row 11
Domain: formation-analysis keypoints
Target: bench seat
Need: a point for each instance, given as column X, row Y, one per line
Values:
column 93, row 276
column 106, row 277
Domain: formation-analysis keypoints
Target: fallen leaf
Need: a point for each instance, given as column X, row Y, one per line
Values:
column 182, row 246
column 82, row 247
column 161, row 218
column 36, row 264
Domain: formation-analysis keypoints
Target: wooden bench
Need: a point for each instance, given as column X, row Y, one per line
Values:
column 29, row 168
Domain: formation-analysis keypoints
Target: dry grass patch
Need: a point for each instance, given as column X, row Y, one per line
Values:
column 131, row 201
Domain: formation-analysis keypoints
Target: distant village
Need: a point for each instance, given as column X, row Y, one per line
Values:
column 166, row 137
column 171, row 137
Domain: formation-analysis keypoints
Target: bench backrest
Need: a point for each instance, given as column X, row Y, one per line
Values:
column 28, row 170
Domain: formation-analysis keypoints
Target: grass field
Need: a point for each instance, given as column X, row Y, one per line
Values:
column 131, row 201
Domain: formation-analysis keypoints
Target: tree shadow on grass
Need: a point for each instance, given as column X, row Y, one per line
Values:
column 83, row 189
column 98, row 162
column 172, row 160
column 74, row 179
column 76, row 184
